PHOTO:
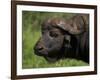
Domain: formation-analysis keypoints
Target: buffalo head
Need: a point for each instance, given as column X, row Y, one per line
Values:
column 59, row 37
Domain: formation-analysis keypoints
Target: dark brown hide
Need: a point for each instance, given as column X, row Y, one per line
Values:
column 64, row 38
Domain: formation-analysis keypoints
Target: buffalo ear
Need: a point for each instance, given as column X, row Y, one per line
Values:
column 67, row 41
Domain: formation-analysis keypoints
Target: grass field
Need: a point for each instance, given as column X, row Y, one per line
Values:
column 31, row 26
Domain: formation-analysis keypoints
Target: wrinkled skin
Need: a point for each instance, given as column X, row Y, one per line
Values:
column 56, row 43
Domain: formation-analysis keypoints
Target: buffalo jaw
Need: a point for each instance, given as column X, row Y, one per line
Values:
column 51, row 59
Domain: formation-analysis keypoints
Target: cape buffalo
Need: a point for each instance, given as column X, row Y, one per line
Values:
column 63, row 38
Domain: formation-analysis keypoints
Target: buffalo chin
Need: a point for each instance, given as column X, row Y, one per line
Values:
column 51, row 59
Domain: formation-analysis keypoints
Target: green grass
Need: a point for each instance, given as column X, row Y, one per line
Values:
column 31, row 26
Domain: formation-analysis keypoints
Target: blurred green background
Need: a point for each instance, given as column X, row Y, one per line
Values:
column 31, row 31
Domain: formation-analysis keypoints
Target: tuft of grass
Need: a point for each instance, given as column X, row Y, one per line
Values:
column 31, row 32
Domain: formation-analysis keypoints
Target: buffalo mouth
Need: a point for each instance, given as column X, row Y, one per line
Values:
column 49, row 57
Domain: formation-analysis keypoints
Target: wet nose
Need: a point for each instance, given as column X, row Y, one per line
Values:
column 39, row 48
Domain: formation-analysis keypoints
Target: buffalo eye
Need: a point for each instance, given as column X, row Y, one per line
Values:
column 54, row 34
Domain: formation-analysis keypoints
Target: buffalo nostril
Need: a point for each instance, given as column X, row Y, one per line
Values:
column 40, row 48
